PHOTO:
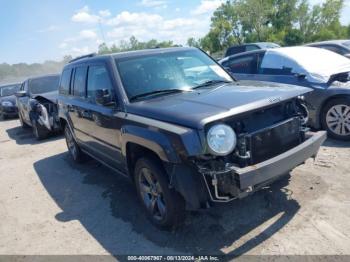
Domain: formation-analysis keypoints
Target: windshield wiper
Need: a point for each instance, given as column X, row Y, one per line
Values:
column 158, row 92
column 210, row 83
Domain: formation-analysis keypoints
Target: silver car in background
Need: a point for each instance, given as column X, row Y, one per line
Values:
column 326, row 72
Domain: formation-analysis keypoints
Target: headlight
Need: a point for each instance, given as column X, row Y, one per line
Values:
column 221, row 140
column 6, row 103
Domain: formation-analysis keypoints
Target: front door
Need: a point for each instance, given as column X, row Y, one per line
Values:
column 100, row 128
column 23, row 105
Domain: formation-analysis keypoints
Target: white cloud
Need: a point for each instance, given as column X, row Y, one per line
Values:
column 143, row 25
column 126, row 18
column 207, row 6
column 146, row 26
column 84, row 16
column 87, row 34
column 77, row 51
column 63, row 45
column 51, row 28
column 153, row 3
column 85, row 41
column 105, row 13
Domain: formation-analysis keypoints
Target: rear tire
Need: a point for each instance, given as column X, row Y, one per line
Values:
column 164, row 206
column 73, row 148
column 336, row 118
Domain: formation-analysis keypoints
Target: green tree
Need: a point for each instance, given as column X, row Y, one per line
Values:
column 289, row 22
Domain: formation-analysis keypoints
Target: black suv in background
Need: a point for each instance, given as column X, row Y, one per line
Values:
column 8, row 106
column 37, row 105
column 179, row 126
column 236, row 49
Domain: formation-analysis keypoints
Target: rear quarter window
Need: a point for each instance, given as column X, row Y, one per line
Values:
column 64, row 87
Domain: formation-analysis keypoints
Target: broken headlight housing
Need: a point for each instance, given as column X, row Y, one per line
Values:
column 6, row 104
column 221, row 140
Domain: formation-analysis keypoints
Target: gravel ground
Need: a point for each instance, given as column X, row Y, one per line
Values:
column 49, row 205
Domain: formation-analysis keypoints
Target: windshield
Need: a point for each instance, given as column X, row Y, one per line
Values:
column 269, row 45
column 347, row 44
column 9, row 90
column 181, row 70
column 318, row 64
column 43, row 85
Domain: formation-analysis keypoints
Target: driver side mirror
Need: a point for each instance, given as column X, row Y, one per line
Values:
column 104, row 98
column 21, row 94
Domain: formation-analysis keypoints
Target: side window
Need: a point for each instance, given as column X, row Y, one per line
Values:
column 98, row 79
column 80, row 82
column 65, row 82
column 243, row 65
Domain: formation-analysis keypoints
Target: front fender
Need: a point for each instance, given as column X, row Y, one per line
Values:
column 155, row 141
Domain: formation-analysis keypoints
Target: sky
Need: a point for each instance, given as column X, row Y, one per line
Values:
column 35, row 31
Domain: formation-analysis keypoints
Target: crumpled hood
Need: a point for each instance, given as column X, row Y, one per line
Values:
column 51, row 96
column 196, row 109
column 11, row 99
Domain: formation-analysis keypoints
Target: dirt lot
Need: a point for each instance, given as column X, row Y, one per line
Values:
column 49, row 205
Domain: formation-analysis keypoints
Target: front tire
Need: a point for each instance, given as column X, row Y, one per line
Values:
column 24, row 125
column 39, row 132
column 73, row 148
column 2, row 116
column 163, row 205
column 336, row 118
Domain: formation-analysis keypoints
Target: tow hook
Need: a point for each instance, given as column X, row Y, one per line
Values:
column 214, row 182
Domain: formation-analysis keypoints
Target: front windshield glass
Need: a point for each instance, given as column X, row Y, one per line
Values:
column 269, row 45
column 9, row 90
column 347, row 44
column 43, row 85
column 181, row 70
column 318, row 64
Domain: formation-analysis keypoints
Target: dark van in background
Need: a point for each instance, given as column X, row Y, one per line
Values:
column 8, row 107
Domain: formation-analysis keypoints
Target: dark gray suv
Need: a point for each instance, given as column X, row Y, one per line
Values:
column 181, row 128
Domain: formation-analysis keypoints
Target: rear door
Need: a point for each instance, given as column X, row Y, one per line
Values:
column 76, row 104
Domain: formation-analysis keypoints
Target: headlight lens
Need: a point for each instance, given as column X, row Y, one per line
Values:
column 221, row 140
column 6, row 103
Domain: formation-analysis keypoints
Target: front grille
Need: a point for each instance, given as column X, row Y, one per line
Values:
column 272, row 141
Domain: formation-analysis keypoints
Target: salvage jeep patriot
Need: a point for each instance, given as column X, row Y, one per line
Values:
column 181, row 128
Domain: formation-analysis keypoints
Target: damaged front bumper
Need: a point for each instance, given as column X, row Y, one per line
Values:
column 234, row 182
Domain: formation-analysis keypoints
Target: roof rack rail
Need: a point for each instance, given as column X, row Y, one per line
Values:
column 82, row 57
